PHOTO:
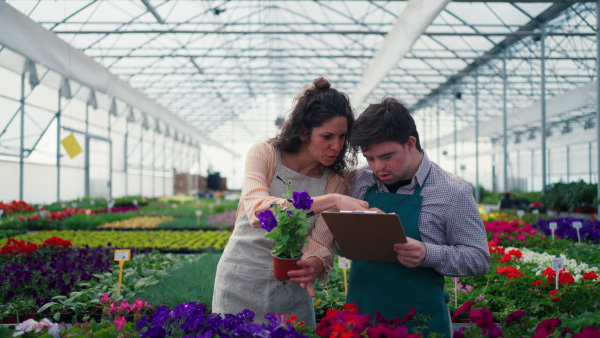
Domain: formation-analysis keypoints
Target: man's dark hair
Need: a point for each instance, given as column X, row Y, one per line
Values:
column 317, row 105
column 389, row 120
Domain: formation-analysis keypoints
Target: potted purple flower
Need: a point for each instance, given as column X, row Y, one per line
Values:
column 286, row 226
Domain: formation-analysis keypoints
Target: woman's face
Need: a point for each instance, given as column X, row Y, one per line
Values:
column 326, row 141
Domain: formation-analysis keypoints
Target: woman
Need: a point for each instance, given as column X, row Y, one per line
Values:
column 310, row 151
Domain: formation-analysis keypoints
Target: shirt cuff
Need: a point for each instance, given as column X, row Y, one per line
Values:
column 433, row 256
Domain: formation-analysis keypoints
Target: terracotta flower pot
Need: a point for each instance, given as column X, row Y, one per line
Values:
column 281, row 266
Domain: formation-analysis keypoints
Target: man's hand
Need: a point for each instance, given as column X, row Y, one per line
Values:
column 412, row 253
column 312, row 267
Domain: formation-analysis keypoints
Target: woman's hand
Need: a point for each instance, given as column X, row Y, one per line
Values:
column 344, row 202
column 311, row 268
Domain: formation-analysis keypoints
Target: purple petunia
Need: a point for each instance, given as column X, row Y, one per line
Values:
column 267, row 220
column 302, row 200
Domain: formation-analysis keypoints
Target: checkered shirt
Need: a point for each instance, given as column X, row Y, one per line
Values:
column 450, row 223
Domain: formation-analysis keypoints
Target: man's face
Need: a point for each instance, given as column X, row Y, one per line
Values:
column 390, row 161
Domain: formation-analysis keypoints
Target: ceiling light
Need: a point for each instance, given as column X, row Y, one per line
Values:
column 567, row 129
column 589, row 124
column 518, row 139
column 531, row 135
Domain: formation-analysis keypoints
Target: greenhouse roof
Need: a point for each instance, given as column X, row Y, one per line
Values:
column 231, row 68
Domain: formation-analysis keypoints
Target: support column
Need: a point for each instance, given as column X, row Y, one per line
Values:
column 86, row 164
column 532, row 171
column 22, row 137
column 165, row 164
column 543, row 102
column 141, row 158
column 590, row 162
column 518, row 176
column 58, row 113
column 477, row 197
column 125, row 154
column 568, row 165
column 153, row 163
column 455, row 134
column 437, row 124
column 110, row 160
column 598, row 102
column 504, row 122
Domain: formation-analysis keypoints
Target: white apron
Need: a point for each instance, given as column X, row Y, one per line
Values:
column 245, row 278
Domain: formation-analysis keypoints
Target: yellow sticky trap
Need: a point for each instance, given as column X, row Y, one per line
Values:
column 71, row 146
column 121, row 256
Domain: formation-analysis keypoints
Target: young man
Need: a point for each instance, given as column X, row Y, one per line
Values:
column 446, row 236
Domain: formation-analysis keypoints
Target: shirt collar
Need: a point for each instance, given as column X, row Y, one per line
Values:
column 419, row 177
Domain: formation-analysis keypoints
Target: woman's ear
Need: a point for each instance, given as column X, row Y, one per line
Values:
column 303, row 134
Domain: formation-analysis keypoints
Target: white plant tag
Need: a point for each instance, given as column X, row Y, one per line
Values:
column 343, row 263
column 552, row 225
column 577, row 225
column 557, row 264
column 520, row 213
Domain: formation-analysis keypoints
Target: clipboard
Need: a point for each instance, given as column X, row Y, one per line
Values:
column 366, row 236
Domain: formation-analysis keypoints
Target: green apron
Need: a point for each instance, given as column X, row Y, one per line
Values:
column 391, row 288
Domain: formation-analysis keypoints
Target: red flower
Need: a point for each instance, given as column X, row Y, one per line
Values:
column 21, row 218
column 553, row 292
column 536, row 283
column 556, row 299
column 351, row 308
column 590, row 275
column 565, row 278
column 56, row 241
column 510, row 272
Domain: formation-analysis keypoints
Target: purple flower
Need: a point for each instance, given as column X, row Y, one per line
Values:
column 482, row 318
column 515, row 316
column 302, row 200
column 267, row 220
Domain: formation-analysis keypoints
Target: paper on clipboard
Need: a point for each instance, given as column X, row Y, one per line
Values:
column 366, row 236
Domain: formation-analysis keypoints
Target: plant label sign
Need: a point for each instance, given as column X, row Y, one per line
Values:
column 557, row 264
column 122, row 255
column 520, row 213
column 135, row 203
column 198, row 213
column 1, row 212
column 343, row 263
column 552, row 226
column 577, row 225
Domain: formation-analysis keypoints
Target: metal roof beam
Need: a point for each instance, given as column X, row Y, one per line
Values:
column 549, row 14
column 153, row 11
column 521, row 33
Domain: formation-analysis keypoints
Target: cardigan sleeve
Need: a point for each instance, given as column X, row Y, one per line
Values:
column 261, row 162
column 320, row 240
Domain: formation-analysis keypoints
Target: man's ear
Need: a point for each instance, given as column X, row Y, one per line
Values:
column 411, row 143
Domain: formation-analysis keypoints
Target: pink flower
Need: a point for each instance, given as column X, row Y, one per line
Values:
column 105, row 298
column 480, row 297
column 119, row 322
column 469, row 288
